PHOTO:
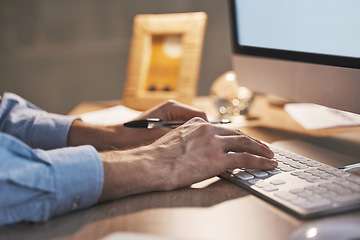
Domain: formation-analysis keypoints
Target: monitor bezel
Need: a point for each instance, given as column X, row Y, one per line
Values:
column 331, row 60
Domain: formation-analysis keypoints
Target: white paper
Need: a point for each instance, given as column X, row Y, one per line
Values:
column 110, row 116
column 313, row 116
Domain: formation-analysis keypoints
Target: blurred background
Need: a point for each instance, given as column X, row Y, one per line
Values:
column 57, row 53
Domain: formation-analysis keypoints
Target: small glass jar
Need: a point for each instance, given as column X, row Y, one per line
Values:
column 231, row 99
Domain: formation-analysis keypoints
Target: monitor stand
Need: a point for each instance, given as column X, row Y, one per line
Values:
column 337, row 150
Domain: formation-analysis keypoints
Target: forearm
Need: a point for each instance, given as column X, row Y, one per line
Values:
column 101, row 137
column 130, row 172
column 110, row 137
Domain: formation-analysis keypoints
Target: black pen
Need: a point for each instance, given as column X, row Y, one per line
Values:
column 150, row 123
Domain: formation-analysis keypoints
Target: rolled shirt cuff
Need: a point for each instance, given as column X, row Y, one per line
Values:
column 79, row 178
column 51, row 130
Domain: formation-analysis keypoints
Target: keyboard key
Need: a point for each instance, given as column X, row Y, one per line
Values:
column 278, row 182
column 303, row 160
column 287, row 169
column 314, row 179
column 347, row 198
column 342, row 174
column 255, row 180
column 273, row 172
column 270, row 188
column 296, row 174
column 304, row 175
column 342, row 182
column 311, row 170
column 277, row 155
column 318, row 173
column 333, row 170
column 296, row 190
column 289, row 162
column 330, row 186
column 286, row 196
column 316, row 205
column 244, row 175
column 257, row 172
column 299, row 166
column 280, row 165
column 313, row 163
column 311, row 188
column 281, row 158
column 327, row 176
column 261, row 184
column 324, row 168
column 305, row 194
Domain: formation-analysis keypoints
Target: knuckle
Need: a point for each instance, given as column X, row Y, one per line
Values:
column 168, row 104
column 171, row 102
column 197, row 120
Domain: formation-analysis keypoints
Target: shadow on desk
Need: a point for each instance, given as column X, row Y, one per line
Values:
column 216, row 192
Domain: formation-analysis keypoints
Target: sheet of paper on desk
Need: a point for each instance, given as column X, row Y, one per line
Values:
column 313, row 116
column 110, row 116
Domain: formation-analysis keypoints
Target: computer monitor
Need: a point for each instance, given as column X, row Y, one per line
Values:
column 304, row 50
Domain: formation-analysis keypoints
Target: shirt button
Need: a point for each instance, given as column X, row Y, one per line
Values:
column 75, row 203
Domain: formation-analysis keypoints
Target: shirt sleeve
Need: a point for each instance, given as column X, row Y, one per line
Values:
column 33, row 125
column 36, row 184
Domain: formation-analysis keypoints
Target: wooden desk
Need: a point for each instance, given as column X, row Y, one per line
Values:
column 212, row 209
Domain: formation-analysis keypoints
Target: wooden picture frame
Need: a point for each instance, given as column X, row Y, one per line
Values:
column 164, row 59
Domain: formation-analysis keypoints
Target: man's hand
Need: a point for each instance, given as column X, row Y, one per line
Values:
column 120, row 137
column 168, row 111
column 188, row 154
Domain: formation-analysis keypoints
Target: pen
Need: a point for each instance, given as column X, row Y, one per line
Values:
column 150, row 123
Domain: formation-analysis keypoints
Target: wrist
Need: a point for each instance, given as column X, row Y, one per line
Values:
column 80, row 133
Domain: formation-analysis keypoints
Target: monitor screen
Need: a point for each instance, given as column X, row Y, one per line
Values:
column 321, row 37
column 314, row 31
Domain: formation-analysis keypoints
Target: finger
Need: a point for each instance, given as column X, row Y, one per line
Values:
column 178, row 111
column 256, row 140
column 247, row 160
column 231, row 140
column 244, row 143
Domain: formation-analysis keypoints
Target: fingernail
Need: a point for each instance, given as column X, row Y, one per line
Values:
column 271, row 154
column 273, row 164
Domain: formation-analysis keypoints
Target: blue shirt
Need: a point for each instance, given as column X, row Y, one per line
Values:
column 40, row 177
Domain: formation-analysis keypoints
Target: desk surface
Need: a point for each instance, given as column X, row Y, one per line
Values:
column 212, row 209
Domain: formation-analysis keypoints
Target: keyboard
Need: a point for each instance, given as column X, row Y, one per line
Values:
column 300, row 185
